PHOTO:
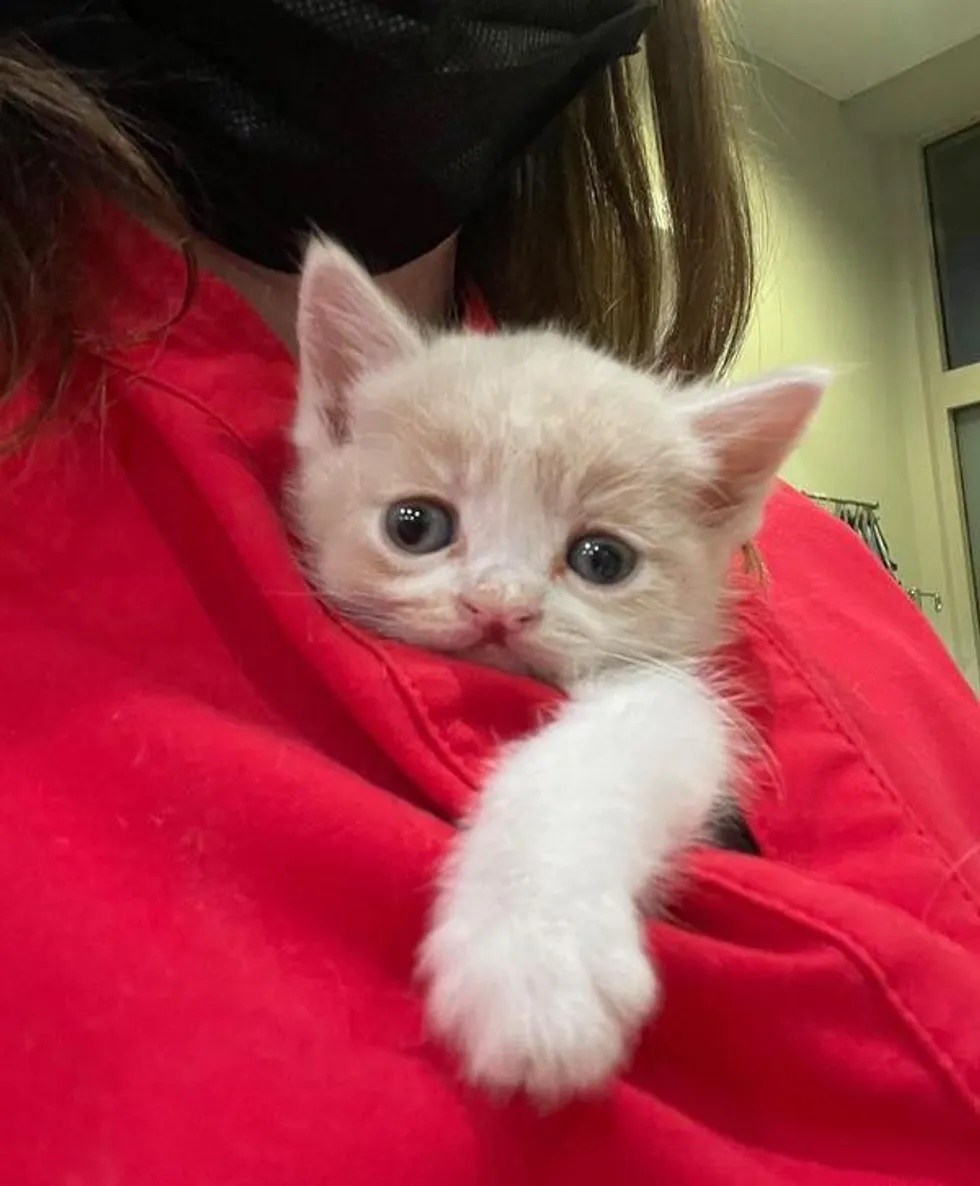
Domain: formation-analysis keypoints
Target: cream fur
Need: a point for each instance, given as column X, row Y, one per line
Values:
column 536, row 964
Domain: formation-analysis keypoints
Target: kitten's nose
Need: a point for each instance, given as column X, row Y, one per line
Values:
column 498, row 612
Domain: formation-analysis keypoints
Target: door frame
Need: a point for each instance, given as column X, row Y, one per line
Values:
column 941, row 392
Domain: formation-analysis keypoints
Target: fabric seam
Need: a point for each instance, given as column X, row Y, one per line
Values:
column 861, row 957
column 835, row 720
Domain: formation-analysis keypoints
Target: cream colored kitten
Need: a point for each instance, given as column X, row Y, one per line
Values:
column 525, row 501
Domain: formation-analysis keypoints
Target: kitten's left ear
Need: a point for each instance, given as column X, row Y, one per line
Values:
column 346, row 328
column 751, row 429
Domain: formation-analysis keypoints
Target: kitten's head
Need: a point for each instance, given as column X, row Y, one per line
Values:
column 520, row 499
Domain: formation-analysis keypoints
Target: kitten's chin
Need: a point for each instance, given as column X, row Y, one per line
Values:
column 500, row 657
column 511, row 660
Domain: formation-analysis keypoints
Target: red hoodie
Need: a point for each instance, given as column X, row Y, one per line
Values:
column 221, row 808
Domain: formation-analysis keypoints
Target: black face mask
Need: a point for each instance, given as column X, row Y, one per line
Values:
column 386, row 124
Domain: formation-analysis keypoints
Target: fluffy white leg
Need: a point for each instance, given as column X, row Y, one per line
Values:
column 536, row 963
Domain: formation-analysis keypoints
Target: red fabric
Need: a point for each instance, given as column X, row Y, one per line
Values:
column 221, row 808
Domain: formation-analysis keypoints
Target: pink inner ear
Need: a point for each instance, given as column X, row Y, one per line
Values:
column 751, row 431
column 347, row 327
column 716, row 498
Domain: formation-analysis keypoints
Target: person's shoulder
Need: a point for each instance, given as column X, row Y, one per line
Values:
column 792, row 518
column 829, row 590
column 816, row 562
column 875, row 730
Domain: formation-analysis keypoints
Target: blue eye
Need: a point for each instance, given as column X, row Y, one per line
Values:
column 601, row 559
column 420, row 525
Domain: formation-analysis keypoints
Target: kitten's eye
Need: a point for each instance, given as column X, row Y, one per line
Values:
column 601, row 559
column 420, row 526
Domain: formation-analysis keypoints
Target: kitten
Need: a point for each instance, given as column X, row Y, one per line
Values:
column 523, row 500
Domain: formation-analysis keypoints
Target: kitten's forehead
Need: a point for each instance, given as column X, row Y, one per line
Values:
column 536, row 408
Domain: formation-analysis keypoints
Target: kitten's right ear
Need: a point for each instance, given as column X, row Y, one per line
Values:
column 751, row 430
column 346, row 328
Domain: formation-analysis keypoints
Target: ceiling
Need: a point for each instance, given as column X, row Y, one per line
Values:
column 843, row 47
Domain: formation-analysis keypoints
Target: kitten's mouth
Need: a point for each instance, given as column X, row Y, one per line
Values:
column 493, row 644
column 495, row 634
column 507, row 650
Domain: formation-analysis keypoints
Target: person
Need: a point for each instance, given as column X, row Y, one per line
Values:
column 222, row 806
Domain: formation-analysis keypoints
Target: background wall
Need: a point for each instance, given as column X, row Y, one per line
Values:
column 832, row 292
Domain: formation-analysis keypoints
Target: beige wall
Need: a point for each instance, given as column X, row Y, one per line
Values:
column 937, row 96
column 832, row 293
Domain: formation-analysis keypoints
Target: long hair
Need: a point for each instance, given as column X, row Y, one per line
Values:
column 61, row 147
column 630, row 221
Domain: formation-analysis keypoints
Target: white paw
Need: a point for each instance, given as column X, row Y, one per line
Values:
column 548, row 1001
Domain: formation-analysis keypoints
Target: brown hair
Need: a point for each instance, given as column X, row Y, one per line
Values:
column 576, row 238
column 580, row 236
column 60, row 146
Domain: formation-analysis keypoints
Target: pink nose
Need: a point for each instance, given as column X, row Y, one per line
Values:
column 495, row 615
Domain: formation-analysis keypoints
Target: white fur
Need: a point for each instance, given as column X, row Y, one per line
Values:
column 536, row 958
column 536, row 964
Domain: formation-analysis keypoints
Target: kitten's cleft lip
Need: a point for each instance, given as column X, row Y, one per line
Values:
column 485, row 636
column 494, row 634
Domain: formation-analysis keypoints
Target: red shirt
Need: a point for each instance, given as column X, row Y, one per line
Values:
column 221, row 808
